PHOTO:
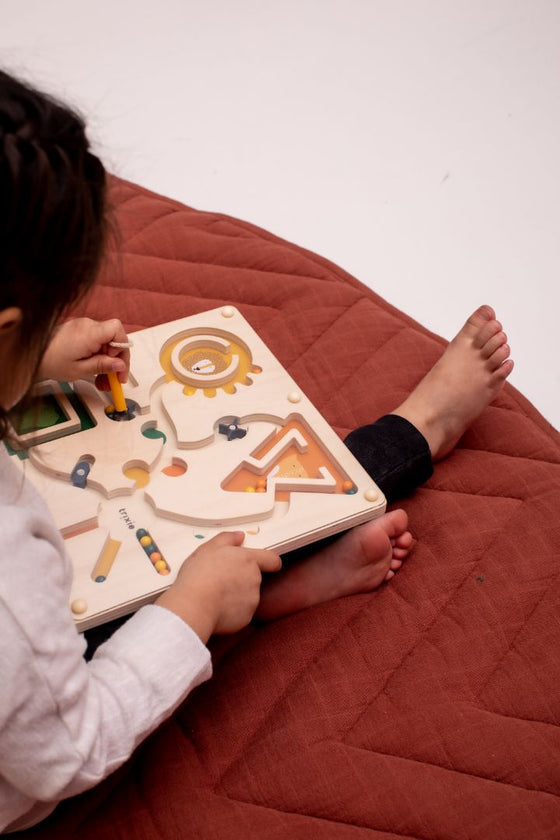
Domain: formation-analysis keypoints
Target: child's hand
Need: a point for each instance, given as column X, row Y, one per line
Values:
column 218, row 587
column 80, row 349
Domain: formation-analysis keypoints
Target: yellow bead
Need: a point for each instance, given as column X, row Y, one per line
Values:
column 145, row 541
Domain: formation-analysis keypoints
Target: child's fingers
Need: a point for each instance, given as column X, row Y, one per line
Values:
column 227, row 538
column 100, row 364
column 268, row 561
column 110, row 330
column 113, row 331
column 102, row 382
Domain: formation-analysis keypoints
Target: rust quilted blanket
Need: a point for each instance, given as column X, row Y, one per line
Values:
column 428, row 710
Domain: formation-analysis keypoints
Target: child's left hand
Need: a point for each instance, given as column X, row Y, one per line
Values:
column 80, row 350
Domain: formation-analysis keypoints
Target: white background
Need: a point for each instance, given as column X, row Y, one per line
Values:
column 416, row 143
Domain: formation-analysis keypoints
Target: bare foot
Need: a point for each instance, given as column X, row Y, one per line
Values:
column 359, row 561
column 468, row 376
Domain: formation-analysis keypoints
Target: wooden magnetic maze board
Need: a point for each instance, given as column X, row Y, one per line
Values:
column 217, row 436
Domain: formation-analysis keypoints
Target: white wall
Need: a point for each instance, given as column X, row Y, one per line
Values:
column 416, row 143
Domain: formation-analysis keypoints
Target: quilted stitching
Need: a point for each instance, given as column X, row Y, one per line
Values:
column 429, row 709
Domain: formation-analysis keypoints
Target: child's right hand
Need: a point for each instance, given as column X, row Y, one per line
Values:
column 217, row 589
column 81, row 348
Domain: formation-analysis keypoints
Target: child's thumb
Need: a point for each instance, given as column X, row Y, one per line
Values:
column 96, row 365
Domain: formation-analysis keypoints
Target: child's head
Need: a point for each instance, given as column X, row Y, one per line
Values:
column 52, row 215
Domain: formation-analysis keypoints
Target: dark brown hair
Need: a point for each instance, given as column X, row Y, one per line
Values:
column 52, row 211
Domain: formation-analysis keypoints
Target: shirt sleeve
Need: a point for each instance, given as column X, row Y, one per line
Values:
column 66, row 724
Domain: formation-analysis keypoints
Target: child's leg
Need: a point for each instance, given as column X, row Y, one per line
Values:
column 394, row 453
column 398, row 451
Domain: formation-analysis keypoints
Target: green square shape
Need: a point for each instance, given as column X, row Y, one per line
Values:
column 43, row 412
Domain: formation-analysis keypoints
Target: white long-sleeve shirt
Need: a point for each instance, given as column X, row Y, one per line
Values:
column 66, row 724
